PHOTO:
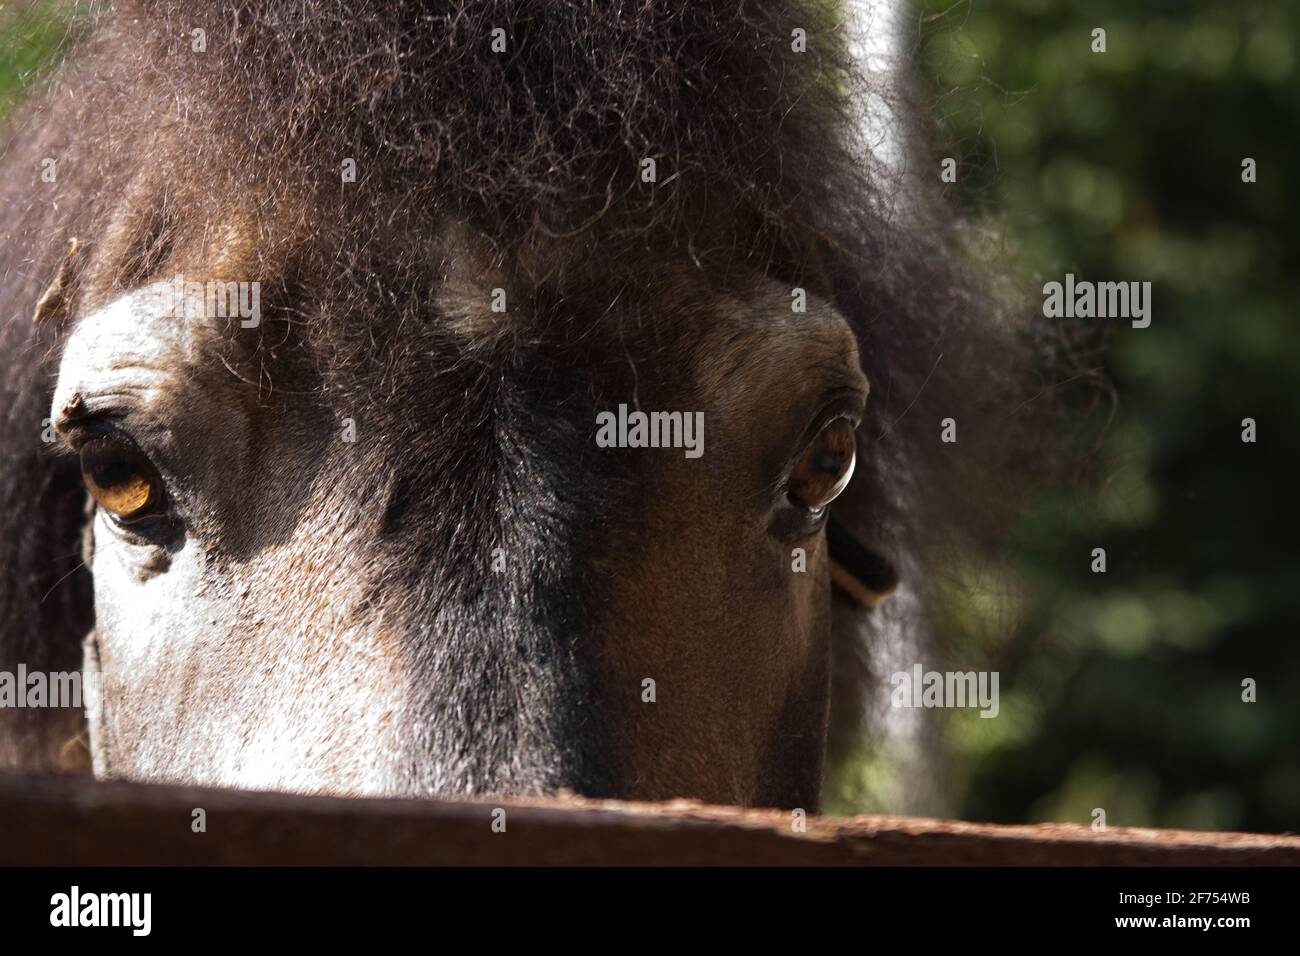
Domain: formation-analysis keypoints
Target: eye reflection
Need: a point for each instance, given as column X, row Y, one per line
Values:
column 824, row 469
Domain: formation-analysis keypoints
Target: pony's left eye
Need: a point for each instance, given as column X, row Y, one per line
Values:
column 121, row 479
column 825, row 467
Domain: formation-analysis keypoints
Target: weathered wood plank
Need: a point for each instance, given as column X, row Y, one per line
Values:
column 72, row 820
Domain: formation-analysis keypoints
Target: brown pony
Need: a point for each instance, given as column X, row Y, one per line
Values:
column 450, row 397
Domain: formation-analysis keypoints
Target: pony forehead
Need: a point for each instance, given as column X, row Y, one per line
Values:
column 134, row 347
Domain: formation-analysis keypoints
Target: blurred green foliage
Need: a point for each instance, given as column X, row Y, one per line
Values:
column 30, row 33
column 1123, row 690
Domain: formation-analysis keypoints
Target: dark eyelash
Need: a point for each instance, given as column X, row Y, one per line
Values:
column 76, row 432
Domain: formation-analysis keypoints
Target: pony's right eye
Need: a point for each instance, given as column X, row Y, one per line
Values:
column 121, row 479
column 825, row 467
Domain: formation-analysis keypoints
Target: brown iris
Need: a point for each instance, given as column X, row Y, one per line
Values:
column 825, row 467
column 121, row 480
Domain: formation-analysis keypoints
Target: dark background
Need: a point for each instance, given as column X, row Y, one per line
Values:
column 1123, row 690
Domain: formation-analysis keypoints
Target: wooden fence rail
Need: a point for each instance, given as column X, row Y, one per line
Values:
column 70, row 821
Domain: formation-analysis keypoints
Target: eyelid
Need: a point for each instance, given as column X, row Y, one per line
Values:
column 848, row 403
column 113, row 422
column 86, row 406
column 75, row 432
